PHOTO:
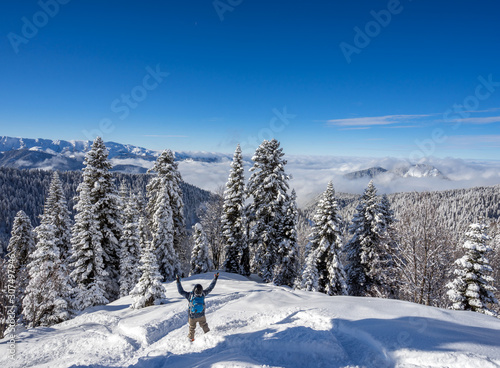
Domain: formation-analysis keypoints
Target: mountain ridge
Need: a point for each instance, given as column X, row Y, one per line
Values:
column 47, row 154
column 419, row 170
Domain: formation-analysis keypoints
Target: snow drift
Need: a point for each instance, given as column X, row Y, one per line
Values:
column 254, row 324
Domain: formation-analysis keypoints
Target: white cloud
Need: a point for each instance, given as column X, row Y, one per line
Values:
column 165, row 136
column 312, row 173
column 373, row 121
column 147, row 164
column 478, row 120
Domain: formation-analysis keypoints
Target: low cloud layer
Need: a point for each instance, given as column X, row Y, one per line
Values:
column 312, row 173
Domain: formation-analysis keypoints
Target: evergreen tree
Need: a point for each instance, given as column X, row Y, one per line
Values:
column 389, row 283
column 267, row 186
column 104, row 204
column 47, row 298
column 165, row 209
column 363, row 250
column 286, row 267
column 310, row 277
column 472, row 287
column 200, row 260
column 87, row 258
column 56, row 213
column 326, row 245
column 149, row 290
column 233, row 219
column 130, row 248
column 21, row 245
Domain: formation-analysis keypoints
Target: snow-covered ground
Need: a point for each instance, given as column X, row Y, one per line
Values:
column 254, row 324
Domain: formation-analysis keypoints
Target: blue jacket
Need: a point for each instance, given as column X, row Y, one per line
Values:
column 189, row 295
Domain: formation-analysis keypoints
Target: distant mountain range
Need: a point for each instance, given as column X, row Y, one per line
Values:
column 408, row 171
column 25, row 153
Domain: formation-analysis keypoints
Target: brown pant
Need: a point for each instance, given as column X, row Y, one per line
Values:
column 192, row 325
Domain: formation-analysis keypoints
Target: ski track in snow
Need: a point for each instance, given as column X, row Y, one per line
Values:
column 259, row 325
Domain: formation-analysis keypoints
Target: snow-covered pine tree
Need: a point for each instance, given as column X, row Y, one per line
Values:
column 472, row 289
column 233, row 218
column 309, row 280
column 149, row 290
column 267, row 186
column 200, row 259
column 364, row 249
column 56, row 213
column 48, row 294
column 21, row 245
column 286, row 267
column 389, row 281
column 87, row 257
column 130, row 250
column 326, row 245
column 105, row 204
column 165, row 208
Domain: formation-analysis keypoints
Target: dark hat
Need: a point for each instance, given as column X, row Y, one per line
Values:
column 198, row 290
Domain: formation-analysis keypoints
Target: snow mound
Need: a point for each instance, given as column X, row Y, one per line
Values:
column 255, row 325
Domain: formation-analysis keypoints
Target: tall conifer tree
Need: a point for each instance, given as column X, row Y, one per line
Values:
column 165, row 208
column 21, row 245
column 233, row 219
column 88, row 256
column 56, row 213
column 268, row 187
column 286, row 267
column 130, row 251
column 364, row 248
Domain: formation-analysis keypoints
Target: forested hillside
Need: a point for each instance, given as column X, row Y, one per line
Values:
column 454, row 209
column 429, row 230
column 27, row 189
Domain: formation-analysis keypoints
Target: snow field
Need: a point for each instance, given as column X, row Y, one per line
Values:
column 260, row 325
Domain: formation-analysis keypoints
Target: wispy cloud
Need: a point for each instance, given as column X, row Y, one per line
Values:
column 355, row 128
column 374, row 120
column 165, row 136
column 478, row 120
column 487, row 110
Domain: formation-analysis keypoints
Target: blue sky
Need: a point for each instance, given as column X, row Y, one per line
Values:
column 395, row 78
